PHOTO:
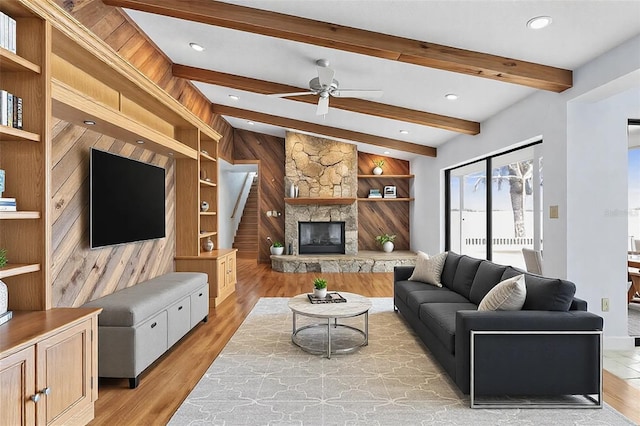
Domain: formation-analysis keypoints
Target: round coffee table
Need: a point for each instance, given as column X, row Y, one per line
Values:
column 355, row 305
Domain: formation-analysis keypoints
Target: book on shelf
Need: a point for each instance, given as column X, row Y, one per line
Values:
column 7, row 32
column 6, row 317
column 8, row 208
column 8, row 205
column 10, row 110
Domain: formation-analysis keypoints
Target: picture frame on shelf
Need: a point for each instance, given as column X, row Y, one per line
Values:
column 390, row 191
column 375, row 193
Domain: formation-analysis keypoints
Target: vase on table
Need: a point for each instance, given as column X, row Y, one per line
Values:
column 208, row 245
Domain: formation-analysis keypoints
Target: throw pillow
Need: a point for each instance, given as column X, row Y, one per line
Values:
column 508, row 295
column 428, row 269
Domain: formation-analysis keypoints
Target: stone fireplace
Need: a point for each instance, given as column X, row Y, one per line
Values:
column 321, row 169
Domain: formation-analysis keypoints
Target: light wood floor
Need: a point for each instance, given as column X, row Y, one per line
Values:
column 166, row 384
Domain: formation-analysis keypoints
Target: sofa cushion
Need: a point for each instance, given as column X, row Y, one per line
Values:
column 487, row 277
column 402, row 289
column 509, row 295
column 428, row 269
column 544, row 294
column 440, row 318
column 444, row 295
column 465, row 273
column 132, row 305
column 449, row 269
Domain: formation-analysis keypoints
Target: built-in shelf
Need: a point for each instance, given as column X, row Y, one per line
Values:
column 386, row 199
column 329, row 201
column 10, row 62
column 19, row 215
column 207, row 234
column 386, row 176
column 207, row 183
column 208, row 157
column 13, row 134
column 14, row 269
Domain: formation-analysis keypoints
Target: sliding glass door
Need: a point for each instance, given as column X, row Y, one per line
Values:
column 494, row 219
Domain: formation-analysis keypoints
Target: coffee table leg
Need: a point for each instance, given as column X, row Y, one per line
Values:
column 329, row 338
column 294, row 324
column 366, row 328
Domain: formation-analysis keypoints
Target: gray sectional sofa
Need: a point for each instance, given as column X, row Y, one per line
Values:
column 140, row 323
column 552, row 346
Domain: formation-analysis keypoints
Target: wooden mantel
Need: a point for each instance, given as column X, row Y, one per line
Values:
column 324, row 201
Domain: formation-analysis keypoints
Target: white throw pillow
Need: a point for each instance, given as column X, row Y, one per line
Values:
column 508, row 295
column 428, row 269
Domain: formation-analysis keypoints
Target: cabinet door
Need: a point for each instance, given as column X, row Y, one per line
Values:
column 64, row 375
column 222, row 275
column 231, row 267
column 17, row 385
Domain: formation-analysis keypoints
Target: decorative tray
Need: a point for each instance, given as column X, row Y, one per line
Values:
column 332, row 297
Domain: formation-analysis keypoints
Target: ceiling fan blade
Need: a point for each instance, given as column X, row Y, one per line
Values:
column 325, row 75
column 323, row 106
column 357, row 93
column 286, row 95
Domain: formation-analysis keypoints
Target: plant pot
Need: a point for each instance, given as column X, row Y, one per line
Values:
column 377, row 170
column 387, row 247
column 277, row 250
column 320, row 292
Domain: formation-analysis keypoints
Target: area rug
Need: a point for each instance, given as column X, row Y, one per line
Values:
column 261, row 378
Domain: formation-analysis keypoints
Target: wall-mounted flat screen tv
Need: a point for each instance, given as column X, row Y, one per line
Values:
column 127, row 200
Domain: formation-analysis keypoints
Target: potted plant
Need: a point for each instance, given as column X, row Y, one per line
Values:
column 386, row 241
column 277, row 248
column 377, row 170
column 320, row 287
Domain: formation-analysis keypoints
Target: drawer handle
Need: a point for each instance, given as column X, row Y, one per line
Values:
column 179, row 308
column 46, row 391
column 154, row 324
column 200, row 295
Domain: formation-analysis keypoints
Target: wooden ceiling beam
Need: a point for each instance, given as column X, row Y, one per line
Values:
column 324, row 130
column 358, row 41
column 349, row 104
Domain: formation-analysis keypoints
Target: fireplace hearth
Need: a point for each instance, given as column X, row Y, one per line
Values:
column 321, row 237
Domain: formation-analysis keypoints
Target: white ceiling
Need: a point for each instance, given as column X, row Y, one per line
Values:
column 581, row 31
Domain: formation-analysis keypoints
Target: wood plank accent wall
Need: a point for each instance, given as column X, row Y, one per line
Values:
column 270, row 151
column 375, row 218
column 78, row 273
column 225, row 146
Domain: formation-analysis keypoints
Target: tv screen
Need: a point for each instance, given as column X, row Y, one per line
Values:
column 127, row 200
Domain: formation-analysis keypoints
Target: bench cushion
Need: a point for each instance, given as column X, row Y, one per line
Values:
column 132, row 305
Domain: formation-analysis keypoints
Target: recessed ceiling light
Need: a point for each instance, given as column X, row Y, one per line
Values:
column 250, row 123
column 234, row 97
column 89, row 122
column 196, row 47
column 539, row 22
column 386, row 153
column 404, row 132
column 451, row 96
column 140, row 141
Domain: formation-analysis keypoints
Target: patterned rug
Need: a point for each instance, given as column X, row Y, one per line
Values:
column 261, row 378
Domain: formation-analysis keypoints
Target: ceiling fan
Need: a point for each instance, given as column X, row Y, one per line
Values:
column 325, row 86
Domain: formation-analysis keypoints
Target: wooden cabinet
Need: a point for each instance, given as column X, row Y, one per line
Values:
column 48, row 367
column 219, row 265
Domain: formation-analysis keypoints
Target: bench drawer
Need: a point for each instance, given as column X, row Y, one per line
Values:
column 199, row 305
column 179, row 315
column 150, row 341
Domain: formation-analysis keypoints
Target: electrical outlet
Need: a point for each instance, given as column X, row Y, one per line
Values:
column 605, row 304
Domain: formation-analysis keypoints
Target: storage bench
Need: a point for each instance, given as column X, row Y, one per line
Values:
column 138, row 324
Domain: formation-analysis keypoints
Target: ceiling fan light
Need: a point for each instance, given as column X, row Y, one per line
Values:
column 539, row 22
column 451, row 96
column 196, row 47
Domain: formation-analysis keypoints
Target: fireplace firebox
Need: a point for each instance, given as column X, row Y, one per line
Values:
column 321, row 237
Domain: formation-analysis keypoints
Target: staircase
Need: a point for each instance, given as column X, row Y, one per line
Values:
column 246, row 239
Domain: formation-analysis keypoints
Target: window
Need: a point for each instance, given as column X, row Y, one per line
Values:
column 496, row 220
column 634, row 190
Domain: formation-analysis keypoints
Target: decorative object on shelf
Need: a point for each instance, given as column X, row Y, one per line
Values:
column 390, row 191
column 4, row 298
column 1, row 182
column 320, row 287
column 386, row 241
column 377, row 170
column 375, row 193
column 293, row 191
column 204, row 206
column 204, row 151
column 203, row 174
column 208, row 245
column 3, row 257
column 277, row 248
